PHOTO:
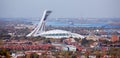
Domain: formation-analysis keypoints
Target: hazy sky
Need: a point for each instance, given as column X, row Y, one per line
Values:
column 60, row 8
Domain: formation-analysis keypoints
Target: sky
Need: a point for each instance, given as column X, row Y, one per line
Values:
column 60, row 8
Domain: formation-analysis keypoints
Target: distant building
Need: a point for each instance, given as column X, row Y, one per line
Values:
column 114, row 38
column 23, row 26
column 92, row 37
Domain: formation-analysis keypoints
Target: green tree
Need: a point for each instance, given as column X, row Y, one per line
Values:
column 34, row 55
column 5, row 53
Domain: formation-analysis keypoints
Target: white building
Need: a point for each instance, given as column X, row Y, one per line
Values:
column 69, row 48
column 40, row 30
column 60, row 34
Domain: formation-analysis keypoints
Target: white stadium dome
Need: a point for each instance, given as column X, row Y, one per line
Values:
column 60, row 34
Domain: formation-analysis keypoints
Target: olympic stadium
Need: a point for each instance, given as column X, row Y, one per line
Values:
column 40, row 30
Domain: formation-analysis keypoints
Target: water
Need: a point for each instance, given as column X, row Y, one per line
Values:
column 54, row 23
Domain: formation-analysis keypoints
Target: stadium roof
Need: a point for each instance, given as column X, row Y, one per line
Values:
column 60, row 34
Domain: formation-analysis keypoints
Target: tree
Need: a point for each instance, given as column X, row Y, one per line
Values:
column 84, row 41
column 5, row 53
column 34, row 55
